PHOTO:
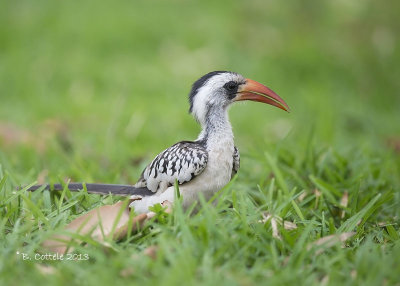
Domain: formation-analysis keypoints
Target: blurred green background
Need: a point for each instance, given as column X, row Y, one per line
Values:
column 91, row 90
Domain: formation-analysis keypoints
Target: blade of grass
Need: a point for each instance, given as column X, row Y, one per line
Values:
column 17, row 194
column 35, row 210
column 60, row 202
column 327, row 189
column 278, row 174
column 352, row 222
column 3, row 182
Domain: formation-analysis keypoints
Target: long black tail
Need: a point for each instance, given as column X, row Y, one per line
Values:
column 101, row 189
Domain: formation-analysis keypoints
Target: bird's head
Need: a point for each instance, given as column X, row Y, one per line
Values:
column 222, row 88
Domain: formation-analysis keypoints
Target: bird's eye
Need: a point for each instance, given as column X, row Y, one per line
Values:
column 231, row 86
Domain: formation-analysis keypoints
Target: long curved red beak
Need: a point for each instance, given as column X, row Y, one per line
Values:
column 256, row 91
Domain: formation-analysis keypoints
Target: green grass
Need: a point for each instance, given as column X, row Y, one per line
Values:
column 91, row 91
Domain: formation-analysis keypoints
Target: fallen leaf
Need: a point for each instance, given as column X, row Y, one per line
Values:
column 289, row 225
column 275, row 231
column 45, row 269
column 302, row 196
column 353, row 274
column 330, row 240
column 41, row 179
column 102, row 223
column 11, row 135
column 40, row 139
column 127, row 272
column 317, row 193
column 344, row 202
column 286, row 224
column 151, row 251
column 324, row 280
column 275, row 220
column 394, row 144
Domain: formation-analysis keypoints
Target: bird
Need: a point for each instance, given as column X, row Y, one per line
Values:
column 202, row 166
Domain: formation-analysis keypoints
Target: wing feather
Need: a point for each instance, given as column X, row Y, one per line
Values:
column 182, row 161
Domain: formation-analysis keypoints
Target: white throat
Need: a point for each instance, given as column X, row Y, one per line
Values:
column 216, row 128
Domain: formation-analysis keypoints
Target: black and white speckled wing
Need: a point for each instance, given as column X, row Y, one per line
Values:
column 182, row 161
column 236, row 161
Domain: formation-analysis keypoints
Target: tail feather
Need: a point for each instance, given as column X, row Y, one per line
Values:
column 101, row 189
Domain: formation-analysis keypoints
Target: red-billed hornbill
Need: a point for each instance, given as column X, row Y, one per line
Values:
column 201, row 166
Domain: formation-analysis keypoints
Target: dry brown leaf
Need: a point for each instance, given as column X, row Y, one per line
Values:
column 275, row 220
column 289, row 225
column 317, row 193
column 302, row 196
column 98, row 222
column 324, row 280
column 101, row 223
column 330, row 240
column 45, row 269
column 10, row 134
column 275, row 231
column 39, row 139
column 127, row 272
column 394, row 144
column 41, row 179
column 353, row 274
column 151, row 251
column 384, row 224
column 344, row 202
